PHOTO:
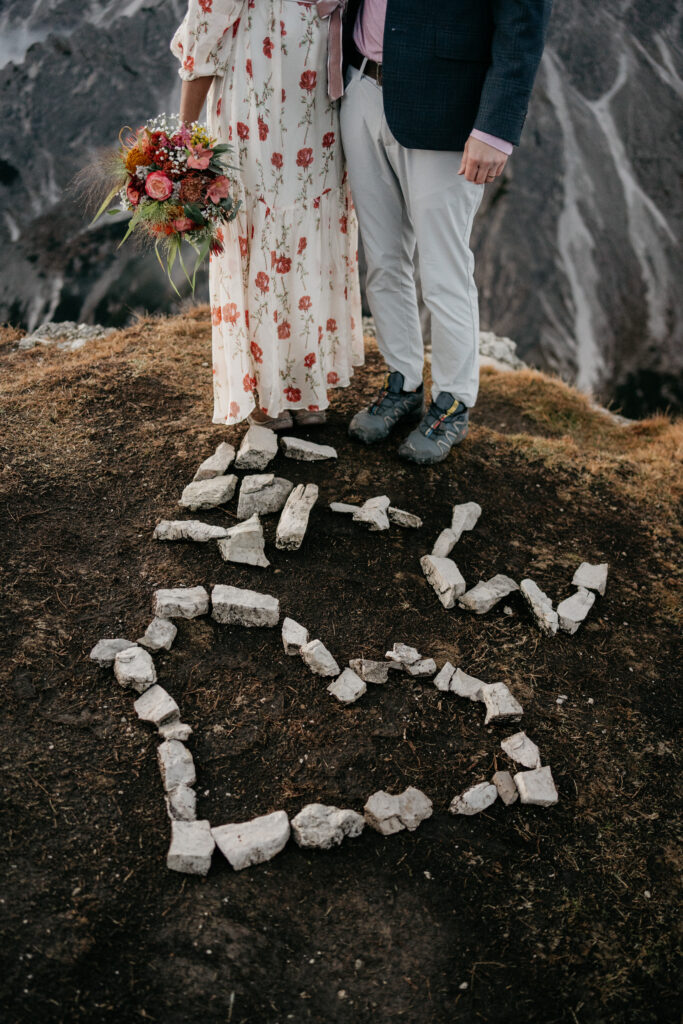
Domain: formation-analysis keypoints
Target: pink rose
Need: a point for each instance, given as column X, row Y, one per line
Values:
column 219, row 189
column 183, row 224
column 133, row 195
column 158, row 185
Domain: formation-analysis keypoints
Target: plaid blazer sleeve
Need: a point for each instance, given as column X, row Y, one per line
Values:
column 518, row 37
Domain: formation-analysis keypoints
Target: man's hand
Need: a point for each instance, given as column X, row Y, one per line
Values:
column 481, row 163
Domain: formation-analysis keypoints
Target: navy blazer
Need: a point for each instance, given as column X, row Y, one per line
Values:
column 453, row 65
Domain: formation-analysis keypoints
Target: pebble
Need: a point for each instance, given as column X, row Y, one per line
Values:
column 217, row 464
column 443, row 679
column 475, row 799
column 293, row 523
column 104, row 651
column 505, row 784
column 134, row 669
column 306, row 451
column 501, row 706
column 573, row 610
column 320, row 827
column 188, row 529
column 466, row 686
column 253, row 842
column 348, row 687
column 422, row 669
column 341, row 506
column 389, row 814
column 245, row 544
column 208, row 493
column 371, row 671
column 374, row 514
column 444, row 543
column 445, row 578
column 404, row 655
column 294, row 636
column 537, row 787
column 175, row 731
column 176, row 765
column 234, row 606
column 401, row 518
column 181, row 603
column 159, row 635
column 319, row 659
column 592, row 577
column 465, row 517
column 541, row 607
column 181, row 804
column 258, row 448
column 523, row 750
column 191, row 847
column 264, row 493
column 414, row 807
column 482, row 597
column 156, row 706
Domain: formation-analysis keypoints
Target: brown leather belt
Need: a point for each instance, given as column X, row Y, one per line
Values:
column 372, row 69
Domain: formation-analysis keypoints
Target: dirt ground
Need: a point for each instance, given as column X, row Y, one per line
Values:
column 567, row 914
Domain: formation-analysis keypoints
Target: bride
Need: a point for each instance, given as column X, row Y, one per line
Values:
column 285, row 296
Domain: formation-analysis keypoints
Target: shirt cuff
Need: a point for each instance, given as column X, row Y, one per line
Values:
column 493, row 140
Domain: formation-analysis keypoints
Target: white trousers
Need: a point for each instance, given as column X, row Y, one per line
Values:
column 407, row 198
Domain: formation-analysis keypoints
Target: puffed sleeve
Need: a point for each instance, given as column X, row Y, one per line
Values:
column 202, row 41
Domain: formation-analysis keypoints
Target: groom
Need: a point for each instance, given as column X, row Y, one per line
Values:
column 436, row 96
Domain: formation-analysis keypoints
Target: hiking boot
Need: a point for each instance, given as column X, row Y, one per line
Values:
column 392, row 405
column 445, row 423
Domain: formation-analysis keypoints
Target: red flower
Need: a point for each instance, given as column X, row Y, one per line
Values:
column 305, row 302
column 262, row 129
column 276, row 160
column 331, row 325
column 316, row 203
column 332, row 377
column 283, row 264
column 244, row 246
column 284, row 331
column 268, row 47
column 257, row 352
column 230, row 313
column 188, row 64
column 218, row 106
column 242, row 130
column 304, row 158
column 215, row 315
column 309, row 359
column 292, row 394
column 234, row 410
column 328, row 139
column 284, row 95
column 283, row 30
column 308, row 80
column 314, row 408
column 249, row 383
column 235, row 27
column 250, row 70
column 262, row 281
column 344, row 224
column 206, row 5
column 302, row 245
column 320, row 334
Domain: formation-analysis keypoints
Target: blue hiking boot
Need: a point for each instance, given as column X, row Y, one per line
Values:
column 445, row 423
column 392, row 405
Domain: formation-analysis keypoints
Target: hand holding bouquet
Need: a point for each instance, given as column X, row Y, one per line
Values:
column 171, row 177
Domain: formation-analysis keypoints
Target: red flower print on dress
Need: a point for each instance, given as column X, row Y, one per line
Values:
column 235, row 27
column 215, row 315
column 242, row 130
column 257, row 352
column 302, row 245
column 331, row 325
column 250, row 69
column 309, row 359
column 328, row 139
column 320, row 334
column 262, row 129
column 284, row 95
column 292, row 394
column 206, row 5
column 262, row 281
column 188, row 64
column 244, row 246
column 230, row 313
column 268, row 47
column 314, row 408
column 283, row 30
column 246, row 318
column 332, row 377
column 344, row 224
column 218, row 106
column 249, row 383
column 304, row 158
column 276, row 160
column 283, row 264
column 284, row 331
column 305, row 302
column 308, row 80
column 234, row 410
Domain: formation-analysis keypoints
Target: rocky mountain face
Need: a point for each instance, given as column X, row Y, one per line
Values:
column 577, row 248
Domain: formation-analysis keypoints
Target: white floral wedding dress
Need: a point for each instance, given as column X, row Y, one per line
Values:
column 285, row 297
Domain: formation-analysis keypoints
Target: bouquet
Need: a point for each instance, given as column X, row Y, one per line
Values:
column 171, row 177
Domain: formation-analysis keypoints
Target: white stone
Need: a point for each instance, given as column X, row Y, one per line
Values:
column 293, row 523
column 156, row 706
column 573, row 610
column 444, row 543
column 253, row 842
column 522, row 750
column 294, row 636
column 465, row 517
column 541, row 607
column 245, row 544
column 341, row 506
column 404, row 655
column 374, row 514
column 306, row 451
column 258, row 448
column 445, row 578
column 175, row 731
column 371, row 671
column 233, row 606
column 507, row 791
column 181, row 603
column 188, row 529
column 422, row 669
column 401, row 518
column 443, row 679
column 475, row 799
column 217, row 464
column 348, row 687
column 134, row 669
column 487, row 593
column 466, row 686
column 159, row 635
column 176, row 765
column 591, row 577
column 537, row 787
column 501, row 706
column 319, row 659
column 264, row 493
column 181, row 804
column 208, row 493
column 105, row 651
column 382, row 813
column 191, row 847
column 414, row 807
column 320, row 827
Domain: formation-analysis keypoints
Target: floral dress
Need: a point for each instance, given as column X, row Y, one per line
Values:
column 285, row 295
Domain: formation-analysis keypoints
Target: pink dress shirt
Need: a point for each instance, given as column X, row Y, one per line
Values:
column 368, row 36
